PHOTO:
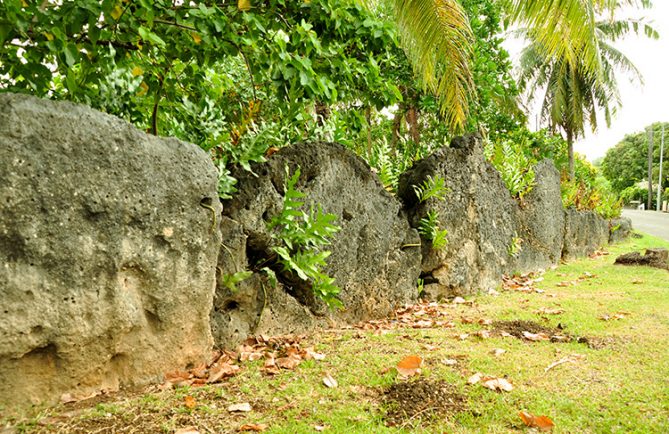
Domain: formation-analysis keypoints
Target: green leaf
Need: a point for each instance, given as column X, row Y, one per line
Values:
column 149, row 36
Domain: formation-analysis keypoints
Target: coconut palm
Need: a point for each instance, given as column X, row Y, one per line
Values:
column 573, row 92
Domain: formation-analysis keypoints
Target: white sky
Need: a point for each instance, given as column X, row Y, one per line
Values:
column 642, row 105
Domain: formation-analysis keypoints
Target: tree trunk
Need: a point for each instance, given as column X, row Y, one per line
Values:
column 397, row 126
column 570, row 150
column 368, row 118
column 412, row 120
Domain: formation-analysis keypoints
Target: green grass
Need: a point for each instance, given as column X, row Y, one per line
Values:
column 623, row 386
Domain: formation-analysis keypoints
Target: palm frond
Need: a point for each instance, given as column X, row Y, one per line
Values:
column 438, row 39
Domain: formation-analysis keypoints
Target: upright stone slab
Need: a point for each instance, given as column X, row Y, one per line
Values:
column 541, row 222
column 108, row 248
column 478, row 213
column 584, row 233
column 374, row 257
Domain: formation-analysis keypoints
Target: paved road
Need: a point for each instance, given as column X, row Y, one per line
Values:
column 651, row 222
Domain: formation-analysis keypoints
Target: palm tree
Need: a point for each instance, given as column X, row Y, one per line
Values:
column 438, row 40
column 573, row 92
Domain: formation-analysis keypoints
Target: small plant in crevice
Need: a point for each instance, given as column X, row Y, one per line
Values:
column 513, row 165
column 431, row 187
column 300, row 237
column 231, row 280
column 428, row 228
column 516, row 246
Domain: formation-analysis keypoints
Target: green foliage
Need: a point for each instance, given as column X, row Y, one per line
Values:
column 514, row 166
column 589, row 191
column 516, row 246
column 428, row 228
column 432, row 187
column 626, row 164
column 230, row 281
column 301, row 236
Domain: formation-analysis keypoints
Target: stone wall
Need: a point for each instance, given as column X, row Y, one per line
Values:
column 113, row 263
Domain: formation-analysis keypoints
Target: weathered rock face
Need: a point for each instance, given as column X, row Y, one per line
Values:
column 370, row 261
column 541, row 221
column 478, row 213
column 108, row 251
column 584, row 233
column 619, row 229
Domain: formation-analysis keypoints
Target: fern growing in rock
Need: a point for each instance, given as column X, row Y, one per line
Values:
column 301, row 236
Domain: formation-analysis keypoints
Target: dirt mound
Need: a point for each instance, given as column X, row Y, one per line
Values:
column 657, row 258
column 413, row 401
column 517, row 327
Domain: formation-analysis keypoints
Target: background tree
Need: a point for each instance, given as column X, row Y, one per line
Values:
column 574, row 95
column 626, row 164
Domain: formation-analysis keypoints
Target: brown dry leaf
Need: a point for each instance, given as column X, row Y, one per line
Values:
column 466, row 320
column 319, row 428
column 257, row 427
column 241, row 407
column 449, row 362
column 570, row 359
column 637, row 282
column 483, row 334
column 497, row 384
column 459, row 300
column 187, row 430
column 485, row 322
column 290, row 362
column 422, row 324
column 189, row 402
column 329, row 381
column 67, row 398
column 536, row 337
column 544, row 423
column 507, row 335
column 409, row 366
column 549, row 311
column 497, row 352
column 492, row 383
column 310, row 353
column 221, row 370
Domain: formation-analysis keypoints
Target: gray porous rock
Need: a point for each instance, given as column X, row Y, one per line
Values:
column 584, row 233
column 619, row 229
column 478, row 213
column 374, row 259
column 541, row 221
column 108, row 249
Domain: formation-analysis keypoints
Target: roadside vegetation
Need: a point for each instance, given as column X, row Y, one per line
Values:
column 582, row 344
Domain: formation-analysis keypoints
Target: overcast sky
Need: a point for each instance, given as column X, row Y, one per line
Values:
column 642, row 105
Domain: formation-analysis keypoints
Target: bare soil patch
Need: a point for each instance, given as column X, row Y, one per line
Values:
column 414, row 401
column 517, row 327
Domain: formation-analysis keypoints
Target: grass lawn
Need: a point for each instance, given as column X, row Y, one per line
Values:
column 612, row 373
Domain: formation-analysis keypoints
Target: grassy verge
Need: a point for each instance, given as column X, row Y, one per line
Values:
column 613, row 379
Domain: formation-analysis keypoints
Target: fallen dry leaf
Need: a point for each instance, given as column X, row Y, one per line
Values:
column 542, row 422
column 67, row 398
column 637, row 282
column 187, row 430
column 463, row 336
column 241, row 407
column 257, row 427
column 329, row 381
column 311, row 354
column 483, row 334
column 290, row 362
column 189, row 402
column 497, row 352
column 449, row 362
column 492, row 383
column 319, row 428
column 459, row 300
column 409, row 366
column 549, row 311
column 536, row 337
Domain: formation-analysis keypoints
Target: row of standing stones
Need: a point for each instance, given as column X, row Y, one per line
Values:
column 113, row 246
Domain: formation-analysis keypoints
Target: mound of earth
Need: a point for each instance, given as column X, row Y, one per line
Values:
column 421, row 399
